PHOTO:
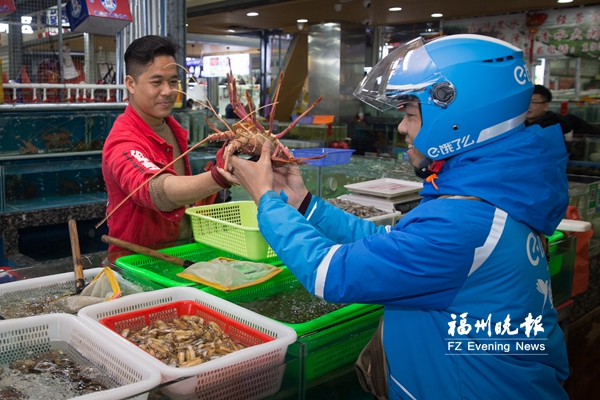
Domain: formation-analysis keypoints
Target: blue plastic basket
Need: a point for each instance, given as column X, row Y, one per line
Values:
column 333, row 157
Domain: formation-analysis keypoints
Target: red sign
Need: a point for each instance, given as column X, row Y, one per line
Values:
column 104, row 17
column 6, row 7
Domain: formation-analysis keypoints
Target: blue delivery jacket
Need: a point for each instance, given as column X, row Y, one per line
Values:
column 464, row 283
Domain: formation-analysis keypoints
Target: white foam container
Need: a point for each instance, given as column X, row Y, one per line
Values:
column 24, row 337
column 243, row 363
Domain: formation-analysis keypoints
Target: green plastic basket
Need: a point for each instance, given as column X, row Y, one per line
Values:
column 561, row 281
column 286, row 281
column 556, row 259
column 231, row 227
column 334, row 347
column 165, row 273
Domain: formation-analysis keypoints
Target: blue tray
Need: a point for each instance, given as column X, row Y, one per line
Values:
column 333, row 157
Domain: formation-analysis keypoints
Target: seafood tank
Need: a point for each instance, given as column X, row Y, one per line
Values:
column 334, row 177
column 53, row 158
column 54, row 182
column 43, row 132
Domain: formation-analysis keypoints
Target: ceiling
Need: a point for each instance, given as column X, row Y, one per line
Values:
column 218, row 16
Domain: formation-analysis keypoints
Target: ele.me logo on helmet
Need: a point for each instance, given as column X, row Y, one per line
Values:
column 522, row 75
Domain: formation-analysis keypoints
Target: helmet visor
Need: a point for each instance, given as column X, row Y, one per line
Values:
column 404, row 73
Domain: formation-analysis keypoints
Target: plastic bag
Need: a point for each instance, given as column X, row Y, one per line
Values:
column 103, row 287
column 227, row 274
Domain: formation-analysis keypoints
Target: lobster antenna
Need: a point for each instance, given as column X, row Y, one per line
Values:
column 207, row 104
column 290, row 126
column 275, row 102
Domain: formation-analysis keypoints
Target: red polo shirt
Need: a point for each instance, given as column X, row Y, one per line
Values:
column 132, row 153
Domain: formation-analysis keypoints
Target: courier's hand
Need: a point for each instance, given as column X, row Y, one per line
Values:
column 289, row 179
column 255, row 177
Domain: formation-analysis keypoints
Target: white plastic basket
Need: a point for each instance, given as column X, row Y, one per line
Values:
column 34, row 283
column 386, row 219
column 248, row 387
column 217, row 372
column 22, row 337
column 56, row 285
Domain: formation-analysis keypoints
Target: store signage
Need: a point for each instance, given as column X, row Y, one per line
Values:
column 218, row 66
column 6, row 7
column 104, row 17
column 573, row 32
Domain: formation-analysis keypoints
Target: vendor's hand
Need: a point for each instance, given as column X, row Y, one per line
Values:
column 255, row 177
column 228, row 176
column 219, row 172
column 219, row 156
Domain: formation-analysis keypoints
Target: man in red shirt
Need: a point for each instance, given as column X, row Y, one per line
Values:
column 143, row 140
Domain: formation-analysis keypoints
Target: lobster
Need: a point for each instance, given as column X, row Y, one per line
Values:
column 248, row 136
column 244, row 137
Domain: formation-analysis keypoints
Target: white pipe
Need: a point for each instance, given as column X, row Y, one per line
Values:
column 68, row 86
column 15, row 86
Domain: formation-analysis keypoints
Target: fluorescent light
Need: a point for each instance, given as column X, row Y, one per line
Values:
column 302, row 20
column 437, row 15
column 231, row 30
column 395, row 9
column 565, row 1
column 252, row 14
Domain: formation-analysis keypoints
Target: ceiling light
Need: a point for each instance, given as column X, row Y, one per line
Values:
column 565, row 1
column 231, row 30
column 437, row 15
column 302, row 20
column 252, row 14
column 395, row 9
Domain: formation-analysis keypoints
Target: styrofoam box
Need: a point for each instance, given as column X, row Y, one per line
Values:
column 22, row 337
column 210, row 374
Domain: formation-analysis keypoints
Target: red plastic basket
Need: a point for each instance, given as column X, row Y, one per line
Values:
column 136, row 320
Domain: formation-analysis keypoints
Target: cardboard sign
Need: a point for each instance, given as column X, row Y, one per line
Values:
column 104, row 17
column 6, row 7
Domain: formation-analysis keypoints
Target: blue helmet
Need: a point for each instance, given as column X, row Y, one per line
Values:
column 472, row 90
